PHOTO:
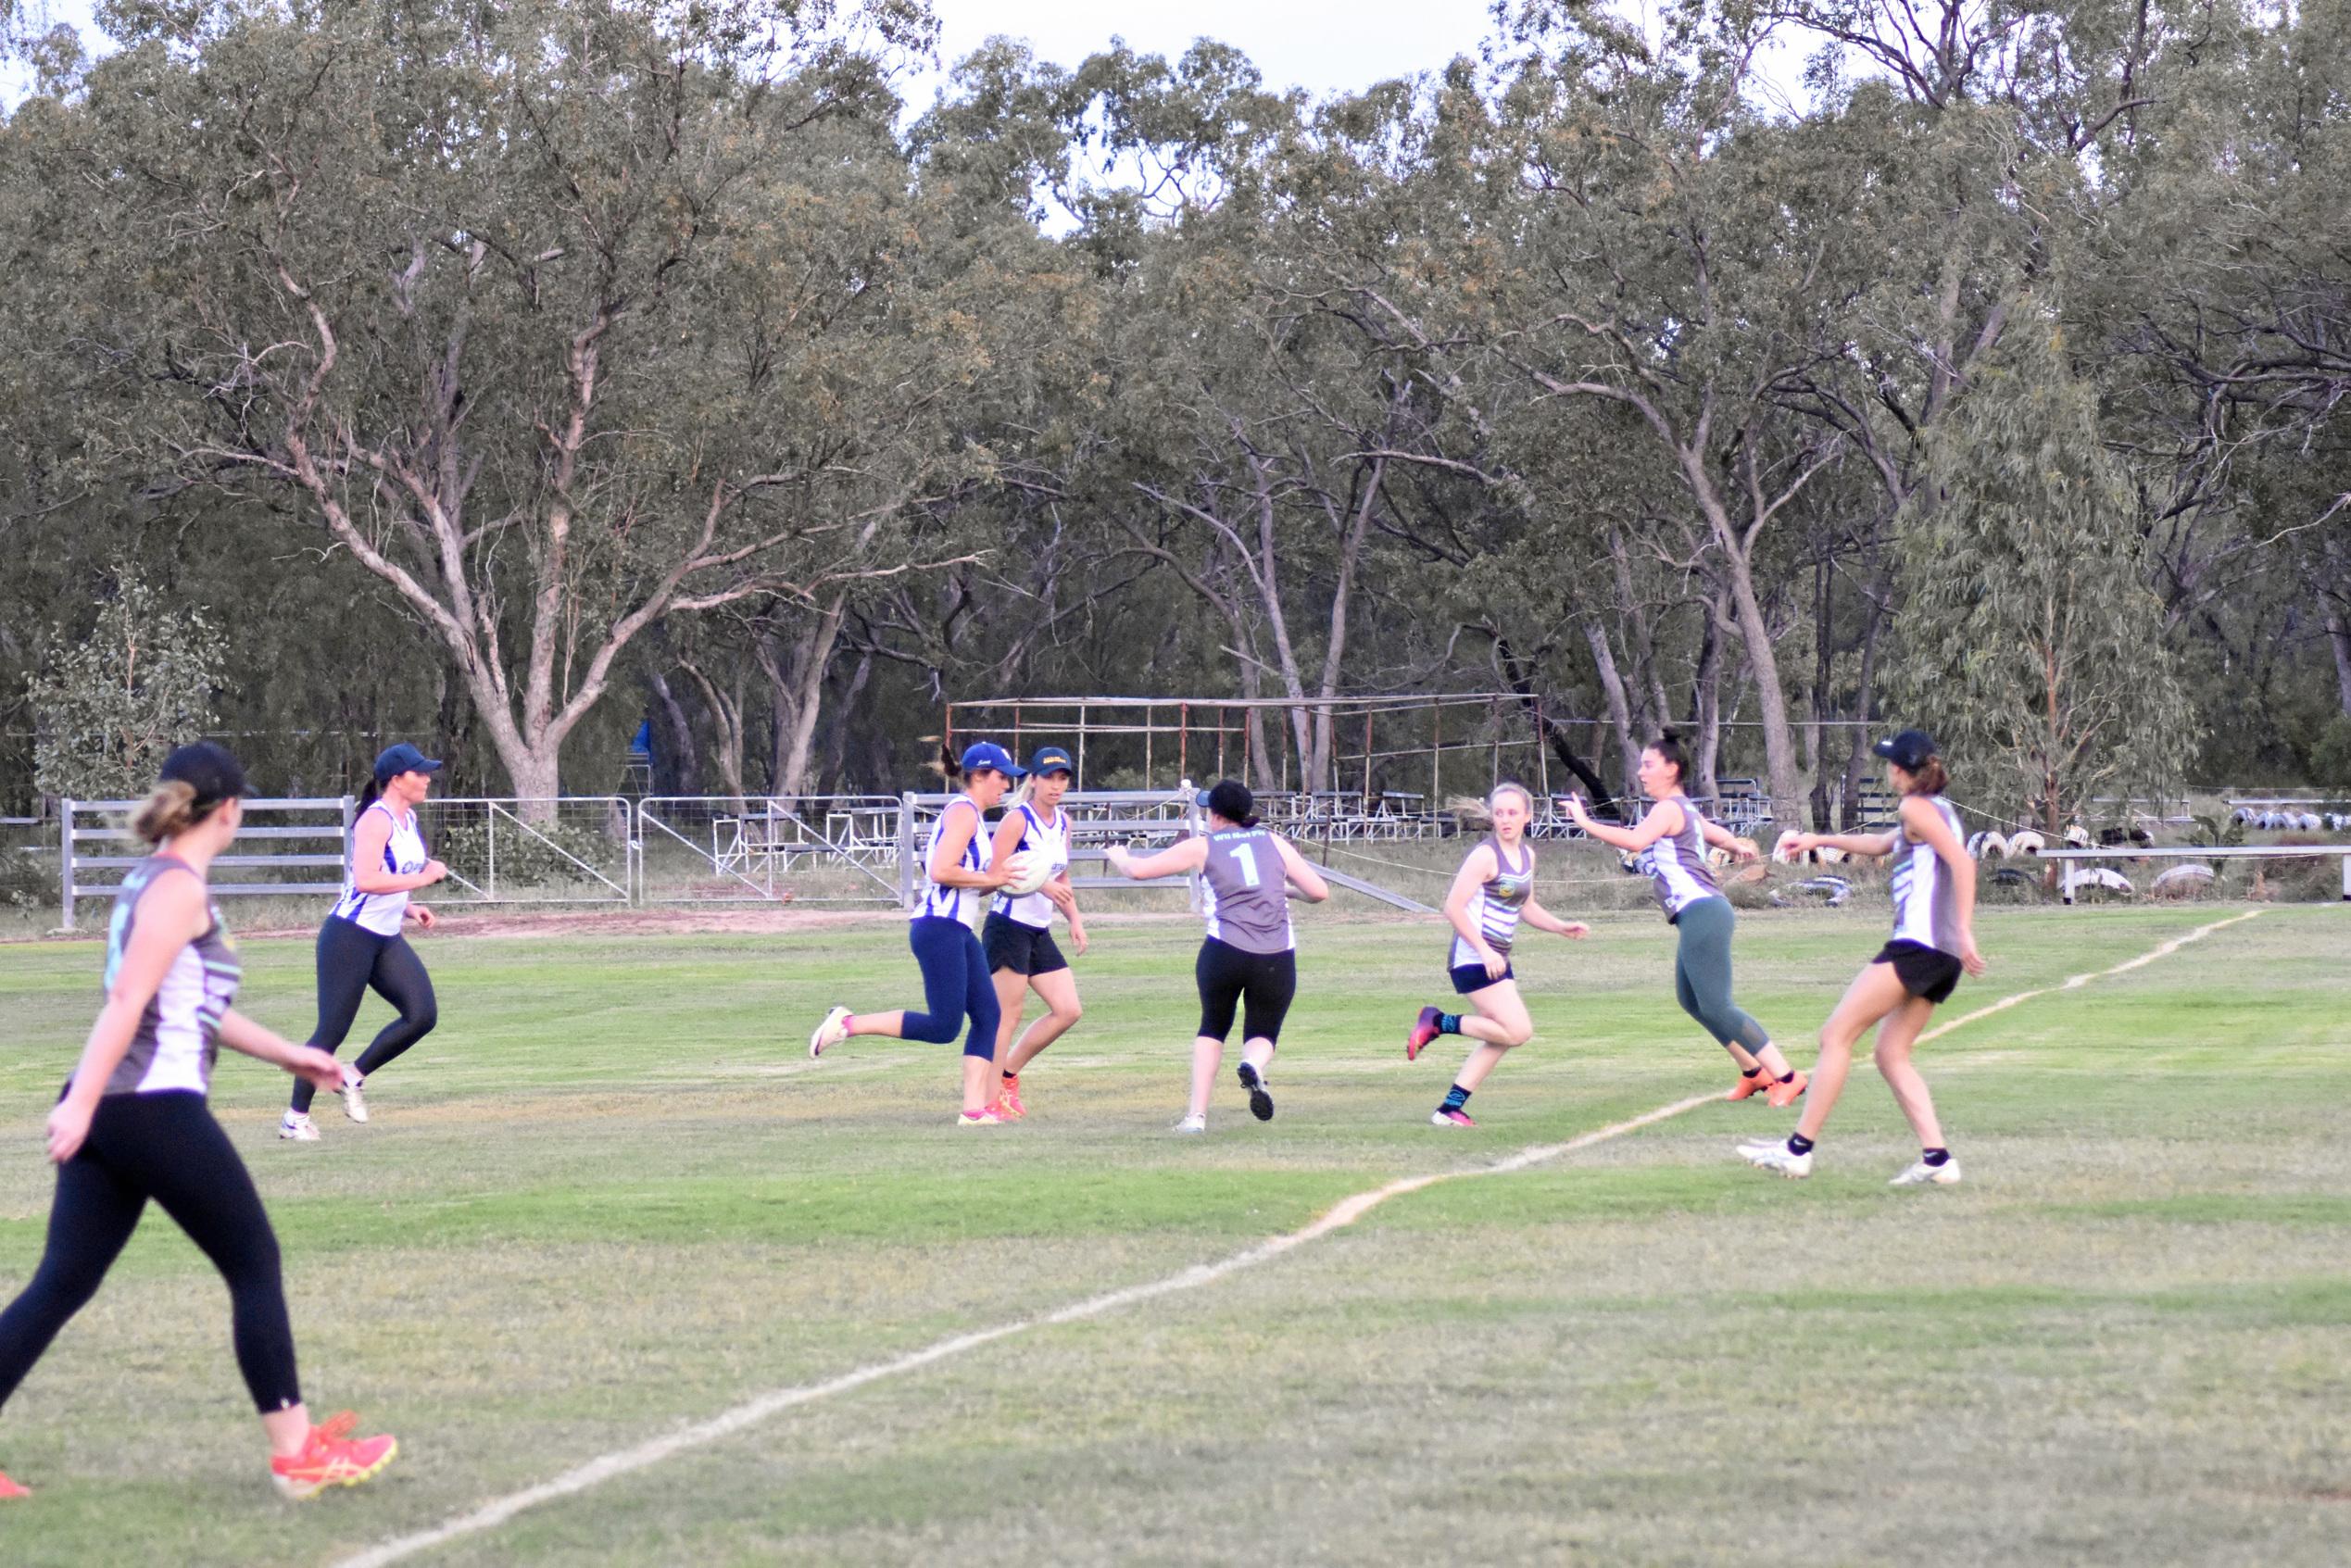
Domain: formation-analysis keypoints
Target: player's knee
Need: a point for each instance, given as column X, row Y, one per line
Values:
column 931, row 1028
column 422, row 1019
column 1068, row 1016
column 1515, row 1034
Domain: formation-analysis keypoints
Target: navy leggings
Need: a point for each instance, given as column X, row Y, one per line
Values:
column 955, row 982
column 351, row 958
column 166, row 1147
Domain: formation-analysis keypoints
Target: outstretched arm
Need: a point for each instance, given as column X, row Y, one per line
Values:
column 1722, row 837
column 1663, row 818
column 1189, row 854
column 1871, row 844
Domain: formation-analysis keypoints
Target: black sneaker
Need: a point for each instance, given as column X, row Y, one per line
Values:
column 1261, row 1103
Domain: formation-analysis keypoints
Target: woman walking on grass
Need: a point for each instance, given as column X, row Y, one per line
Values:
column 1018, row 939
column 132, row 1124
column 1491, row 894
column 1671, row 842
column 361, row 945
column 961, row 872
column 1250, row 956
column 1934, row 942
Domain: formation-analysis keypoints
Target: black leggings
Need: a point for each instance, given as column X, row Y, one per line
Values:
column 351, row 958
column 166, row 1147
column 1228, row 976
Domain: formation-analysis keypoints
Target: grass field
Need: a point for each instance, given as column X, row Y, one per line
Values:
column 611, row 1197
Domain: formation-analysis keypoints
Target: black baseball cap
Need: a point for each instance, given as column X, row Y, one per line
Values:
column 207, row 769
column 1909, row 750
column 1052, row 759
column 394, row 761
column 1231, row 800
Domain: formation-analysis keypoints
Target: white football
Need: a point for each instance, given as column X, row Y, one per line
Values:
column 1030, row 871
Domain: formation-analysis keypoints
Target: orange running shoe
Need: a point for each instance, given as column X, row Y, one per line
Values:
column 1785, row 1095
column 331, row 1457
column 1008, row 1100
column 1748, row 1089
column 11, row 1491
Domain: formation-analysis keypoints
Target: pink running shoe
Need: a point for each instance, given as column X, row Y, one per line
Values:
column 1416, row 1038
column 331, row 1457
column 11, row 1491
column 1444, row 1117
column 1008, row 1101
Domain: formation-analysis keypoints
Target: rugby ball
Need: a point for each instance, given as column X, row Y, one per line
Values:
column 1030, row 871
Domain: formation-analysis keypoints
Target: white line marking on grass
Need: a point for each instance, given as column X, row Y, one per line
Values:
column 1344, row 1213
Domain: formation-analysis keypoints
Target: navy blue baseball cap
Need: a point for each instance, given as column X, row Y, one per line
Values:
column 1052, row 759
column 207, row 769
column 1909, row 750
column 1231, row 800
column 394, row 761
column 987, row 754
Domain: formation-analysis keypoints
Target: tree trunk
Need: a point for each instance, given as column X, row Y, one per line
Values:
column 1783, row 779
column 797, row 693
column 1619, row 707
column 2339, row 637
column 1706, row 699
column 681, row 779
column 1858, row 751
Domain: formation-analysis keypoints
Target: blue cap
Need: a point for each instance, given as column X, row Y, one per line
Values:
column 1052, row 759
column 1907, row 751
column 394, row 761
column 987, row 754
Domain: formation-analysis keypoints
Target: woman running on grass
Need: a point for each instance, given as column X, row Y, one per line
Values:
column 1492, row 892
column 961, row 872
column 132, row 1126
column 1250, row 956
column 1018, row 939
column 1934, row 899
column 1671, row 842
column 360, row 944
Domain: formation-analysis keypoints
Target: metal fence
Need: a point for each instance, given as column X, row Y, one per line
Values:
column 306, row 837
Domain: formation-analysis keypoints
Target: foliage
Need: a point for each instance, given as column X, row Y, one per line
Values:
column 109, row 704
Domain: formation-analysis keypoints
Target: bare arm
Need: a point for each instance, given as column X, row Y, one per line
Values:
column 955, row 830
column 1870, row 843
column 370, row 875
column 1534, row 914
column 242, row 1034
column 1663, row 818
column 1301, row 873
column 1722, row 837
column 1189, row 854
column 1926, row 824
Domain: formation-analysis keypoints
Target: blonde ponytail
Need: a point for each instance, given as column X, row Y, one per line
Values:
column 169, row 812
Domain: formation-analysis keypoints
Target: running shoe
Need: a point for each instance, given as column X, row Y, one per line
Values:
column 1787, row 1094
column 355, row 1104
column 831, row 1032
column 1192, row 1124
column 1261, row 1102
column 331, row 1457
column 296, row 1127
column 11, row 1491
column 1008, row 1100
column 1944, row 1175
column 1451, row 1116
column 1748, row 1089
column 1771, row 1154
column 977, row 1119
column 1416, row 1038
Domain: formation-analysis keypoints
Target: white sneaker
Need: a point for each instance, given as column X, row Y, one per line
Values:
column 1944, row 1175
column 298, row 1128
column 355, row 1104
column 1772, row 1155
column 1192, row 1124
column 831, row 1032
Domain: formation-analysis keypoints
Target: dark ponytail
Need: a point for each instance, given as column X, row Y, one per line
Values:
column 1931, row 778
column 370, row 792
column 1669, row 748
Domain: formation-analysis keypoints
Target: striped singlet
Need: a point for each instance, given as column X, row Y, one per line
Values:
column 956, row 903
column 403, row 856
column 178, row 1036
column 1244, row 888
column 1676, row 864
column 1499, row 900
column 1926, row 904
column 1037, row 837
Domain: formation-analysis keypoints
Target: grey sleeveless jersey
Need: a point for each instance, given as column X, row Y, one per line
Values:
column 1246, row 898
column 179, row 1035
column 1676, row 865
column 1926, row 901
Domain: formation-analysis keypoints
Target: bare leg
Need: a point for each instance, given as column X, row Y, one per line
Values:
column 1058, row 990
column 1772, row 1062
column 1895, row 1037
column 1208, row 1055
column 287, row 1430
column 1012, row 991
column 888, row 1023
column 1501, row 1022
column 1875, row 992
column 1258, row 1053
column 980, row 1083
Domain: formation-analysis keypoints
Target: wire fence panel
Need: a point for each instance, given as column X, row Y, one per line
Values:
column 815, row 849
column 285, row 849
column 502, row 850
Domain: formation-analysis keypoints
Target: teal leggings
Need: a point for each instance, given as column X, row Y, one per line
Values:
column 1701, row 976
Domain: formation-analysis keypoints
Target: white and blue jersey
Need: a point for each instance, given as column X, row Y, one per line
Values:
column 403, row 856
column 1037, row 837
column 956, row 903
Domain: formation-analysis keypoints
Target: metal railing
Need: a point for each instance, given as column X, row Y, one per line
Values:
column 2071, row 880
column 74, row 863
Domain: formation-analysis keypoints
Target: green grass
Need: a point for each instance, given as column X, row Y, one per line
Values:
column 610, row 1196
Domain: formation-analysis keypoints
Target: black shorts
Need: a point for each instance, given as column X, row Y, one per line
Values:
column 1924, row 970
column 1267, row 982
column 1024, row 949
column 1469, row 978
